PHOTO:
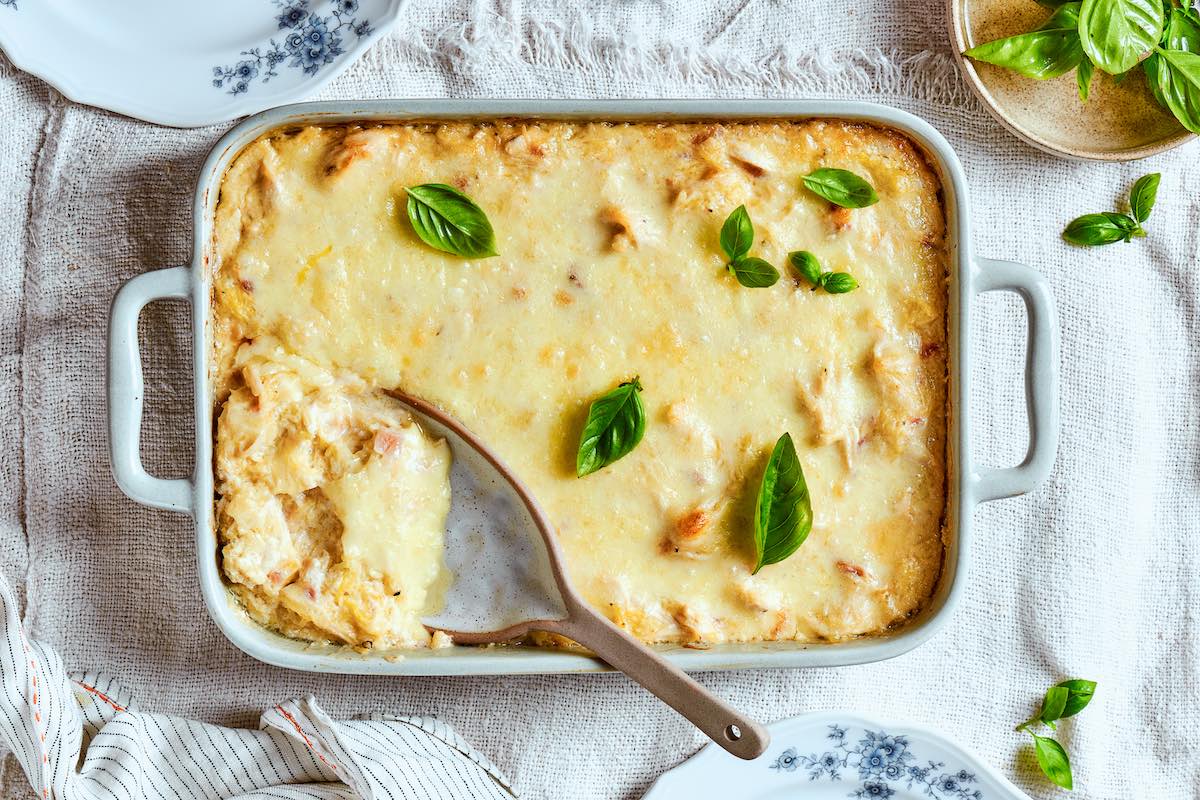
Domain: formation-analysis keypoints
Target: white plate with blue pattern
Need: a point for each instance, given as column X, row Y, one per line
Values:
column 188, row 64
column 827, row 756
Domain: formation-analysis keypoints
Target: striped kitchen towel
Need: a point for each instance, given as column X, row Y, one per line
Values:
column 80, row 738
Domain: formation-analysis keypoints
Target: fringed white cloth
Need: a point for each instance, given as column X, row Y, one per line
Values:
column 81, row 738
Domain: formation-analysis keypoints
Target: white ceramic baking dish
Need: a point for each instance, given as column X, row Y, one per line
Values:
column 969, row 483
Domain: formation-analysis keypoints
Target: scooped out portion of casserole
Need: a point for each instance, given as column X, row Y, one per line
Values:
column 331, row 501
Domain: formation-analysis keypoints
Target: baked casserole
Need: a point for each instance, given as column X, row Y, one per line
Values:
column 332, row 501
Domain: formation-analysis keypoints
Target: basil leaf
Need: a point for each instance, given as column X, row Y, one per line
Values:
column 807, row 265
column 1182, row 31
column 737, row 234
column 1115, row 34
column 1174, row 77
column 1079, row 694
column 1142, row 196
column 615, row 424
column 838, row 282
column 754, row 272
column 1054, row 704
column 1052, row 758
column 841, row 187
column 1051, row 50
column 1083, row 79
column 783, row 514
column 1097, row 229
column 446, row 219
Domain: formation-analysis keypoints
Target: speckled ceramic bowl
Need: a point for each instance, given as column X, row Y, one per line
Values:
column 1119, row 122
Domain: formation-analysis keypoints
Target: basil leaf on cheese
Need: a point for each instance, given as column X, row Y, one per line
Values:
column 806, row 264
column 615, row 424
column 754, row 272
column 447, row 220
column 838, row 282
column 737, row 234
column 841, row 187
column 783, row 514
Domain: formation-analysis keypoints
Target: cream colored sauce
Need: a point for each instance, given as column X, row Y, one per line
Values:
column 393, row 513
column 609, row 267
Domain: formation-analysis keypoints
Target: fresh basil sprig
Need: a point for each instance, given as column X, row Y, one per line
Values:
column 1115, row 34
column 841, row 187
column 1047, row 52
column 809, row 268
column 1062, row 700
column 615, row 424
column 1107, row 227
column 446, row 219
column 1173, row 79
column 737, row 237
column 783, row 515
column 1110, row 226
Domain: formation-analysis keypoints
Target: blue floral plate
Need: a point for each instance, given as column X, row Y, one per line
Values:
column 826, row 756
column 185, row 63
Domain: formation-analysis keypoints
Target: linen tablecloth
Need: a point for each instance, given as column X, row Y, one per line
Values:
column 1096, row 574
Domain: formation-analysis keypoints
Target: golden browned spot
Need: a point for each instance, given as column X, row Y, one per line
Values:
column 693, row 534
column 839, row 217
column 519, row 292
column 852, row 569
column 704, row 135
column 247, row 285
column 930, row 348
column 563, row 298
column 692, row 524
column 353, row 147
column 751, row 169
column 619, row 228
column 674, row 189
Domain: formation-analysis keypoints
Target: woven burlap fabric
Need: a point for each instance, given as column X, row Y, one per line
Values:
column 1096, row 574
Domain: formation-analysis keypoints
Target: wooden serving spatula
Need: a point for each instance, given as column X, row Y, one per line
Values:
column 509, row 580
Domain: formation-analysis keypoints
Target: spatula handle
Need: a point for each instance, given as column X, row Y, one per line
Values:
column 732, row 730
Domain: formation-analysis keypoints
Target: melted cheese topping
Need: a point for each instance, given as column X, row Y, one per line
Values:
column 610, row 267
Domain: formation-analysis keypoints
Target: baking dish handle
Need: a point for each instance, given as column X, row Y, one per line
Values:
column 126, row 390
column 1041, row 379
